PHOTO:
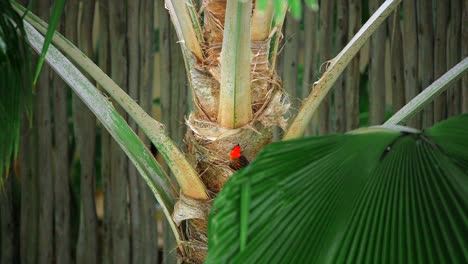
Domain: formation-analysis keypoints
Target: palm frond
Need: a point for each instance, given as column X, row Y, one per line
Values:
column 15, row 82
column 57, row 10
column 377, row 196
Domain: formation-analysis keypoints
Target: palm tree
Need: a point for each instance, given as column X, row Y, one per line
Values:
column 238, row 98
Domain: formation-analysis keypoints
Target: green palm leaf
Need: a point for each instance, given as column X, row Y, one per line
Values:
column 372, row 196
column 15, row 82
column 57, row 10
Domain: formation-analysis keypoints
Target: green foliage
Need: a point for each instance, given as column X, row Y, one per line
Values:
column 15, row 82
column 57, row 10
column 295, row 8
column 376, row 195
column 294, row 5
column 313, row 4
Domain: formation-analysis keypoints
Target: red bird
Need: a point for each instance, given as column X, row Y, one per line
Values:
column 237, row 161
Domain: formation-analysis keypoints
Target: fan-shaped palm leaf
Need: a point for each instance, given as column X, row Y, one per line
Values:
column 372, row 196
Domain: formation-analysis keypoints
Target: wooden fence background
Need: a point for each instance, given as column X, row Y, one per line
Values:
column 73, row 196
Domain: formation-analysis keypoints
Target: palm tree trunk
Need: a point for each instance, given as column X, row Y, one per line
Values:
column 210, row 137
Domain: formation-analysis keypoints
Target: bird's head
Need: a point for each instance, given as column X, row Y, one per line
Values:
column 235, row 152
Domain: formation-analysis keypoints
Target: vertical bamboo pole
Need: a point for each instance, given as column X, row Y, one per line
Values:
column 29, row 190
column 62, row 169
column 44, row 169
column 106, row 155
column 464, row 44
column 340, row 89
column 44, row 162
column 148, row 209
column 377, row 71
column 165, row 64
column 310, row 53
column 290, row 63
column 454, row 55
column 120, row 241
column 396, row 54
column 85, row 133
column 388, row 73
column 410, row 56
column 364, row 56
column 167, row 84
column 134, row 64
column 440, row 51
column 7, row 222
column 426, row 51
column 325, row 49
column 352, row 75
column 28, row 224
